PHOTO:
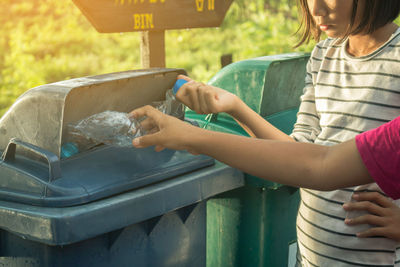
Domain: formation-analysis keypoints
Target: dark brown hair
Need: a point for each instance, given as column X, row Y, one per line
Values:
column 376, row 14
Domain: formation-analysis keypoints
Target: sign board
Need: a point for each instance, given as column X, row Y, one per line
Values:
column 152, row 15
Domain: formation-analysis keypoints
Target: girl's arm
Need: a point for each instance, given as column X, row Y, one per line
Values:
column 291, row 163
column 255, row 125
column 206, row 99
column 296, row 164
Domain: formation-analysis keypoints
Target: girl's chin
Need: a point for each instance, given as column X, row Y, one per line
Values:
column 333, row 34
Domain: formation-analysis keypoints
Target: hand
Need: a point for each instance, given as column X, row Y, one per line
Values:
column 164, row 131
column 206, row 99
column 383, row 215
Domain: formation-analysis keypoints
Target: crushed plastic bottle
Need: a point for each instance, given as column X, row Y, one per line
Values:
column 108, row 127
column 112, row 128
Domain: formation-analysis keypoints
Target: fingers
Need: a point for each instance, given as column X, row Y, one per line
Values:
column 375, row 197
column 376, row 231
column 382, row 213
column 192, row 93
column 184, row 77
column 385, row 231
column 148, row 140
column 146, row 111
column 159, row 148
column 162, row 131
column 148, row 124
column 366, row 219
column 150, row 118
column 197, row 96
column 364, row 206
column 151, row 123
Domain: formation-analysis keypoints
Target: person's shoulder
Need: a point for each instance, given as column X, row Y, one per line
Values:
column 322, row 47
column 395, row 40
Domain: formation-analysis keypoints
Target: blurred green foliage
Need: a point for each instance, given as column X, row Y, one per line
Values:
column 44, row 41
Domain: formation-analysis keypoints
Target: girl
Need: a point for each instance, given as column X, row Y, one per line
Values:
column 352, row 85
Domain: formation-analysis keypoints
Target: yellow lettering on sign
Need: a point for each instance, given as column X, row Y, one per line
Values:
column 199, row 5
column 143, row 21
column 136, row 21
column 122, row 2
column 211, row 5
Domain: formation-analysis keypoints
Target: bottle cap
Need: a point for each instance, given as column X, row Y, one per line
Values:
column 69, row 149
column 178, row 84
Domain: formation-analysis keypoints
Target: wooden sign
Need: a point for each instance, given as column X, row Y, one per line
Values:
column 152, row 15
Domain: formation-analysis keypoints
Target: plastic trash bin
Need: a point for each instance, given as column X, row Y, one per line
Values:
column 108, row 206
column 254, row 225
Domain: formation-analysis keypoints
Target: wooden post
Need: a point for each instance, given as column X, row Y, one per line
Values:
column 152, row 18
column 226, row 60
column 153, row 49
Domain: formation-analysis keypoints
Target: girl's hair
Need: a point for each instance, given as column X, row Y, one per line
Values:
column 376, row 14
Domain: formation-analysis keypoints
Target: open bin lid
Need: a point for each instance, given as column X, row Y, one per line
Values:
column 33, row 130
column 40, row 116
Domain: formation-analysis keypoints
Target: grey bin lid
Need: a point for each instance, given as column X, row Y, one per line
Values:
column 92, row 175
column 40, row 116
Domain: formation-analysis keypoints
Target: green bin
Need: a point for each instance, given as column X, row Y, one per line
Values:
column 255, row 224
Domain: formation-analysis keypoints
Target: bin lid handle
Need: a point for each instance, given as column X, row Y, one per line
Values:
column 52, row 159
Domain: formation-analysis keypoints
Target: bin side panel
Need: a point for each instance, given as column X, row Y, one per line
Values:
column 280, row 225
column 223, row 223
column 170, row 240
column 251, row 226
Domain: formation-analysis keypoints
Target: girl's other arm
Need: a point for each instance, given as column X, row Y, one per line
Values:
column 296, row 164
column 292, row 163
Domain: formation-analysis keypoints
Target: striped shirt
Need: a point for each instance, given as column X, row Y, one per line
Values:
column 344, row 96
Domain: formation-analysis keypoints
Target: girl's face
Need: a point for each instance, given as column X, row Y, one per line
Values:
column 332, row 16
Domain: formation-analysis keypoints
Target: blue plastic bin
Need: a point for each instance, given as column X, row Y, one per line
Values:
column 108, row 206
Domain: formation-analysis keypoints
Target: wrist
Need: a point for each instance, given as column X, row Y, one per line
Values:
column 195, row 140
column 238, row 108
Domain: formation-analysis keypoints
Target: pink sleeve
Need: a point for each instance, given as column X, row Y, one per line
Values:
column 380, row 151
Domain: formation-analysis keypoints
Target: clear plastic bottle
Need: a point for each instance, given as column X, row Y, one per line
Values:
column 113, row 127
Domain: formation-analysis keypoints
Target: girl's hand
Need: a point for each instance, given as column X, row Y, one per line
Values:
column 383, row 215
column 164, row 131
column 206, row 99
